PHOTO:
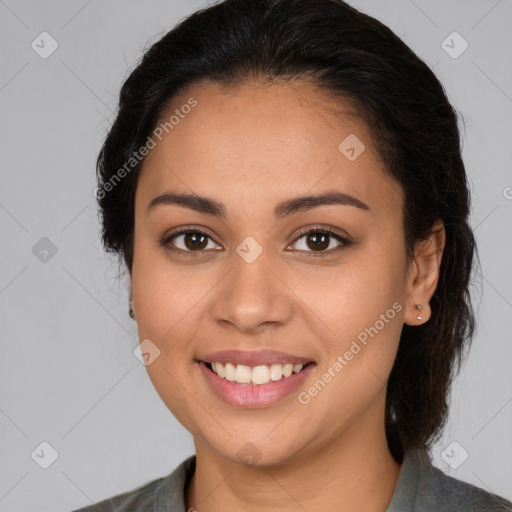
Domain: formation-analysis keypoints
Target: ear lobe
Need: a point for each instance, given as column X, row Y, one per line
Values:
column 425, row 274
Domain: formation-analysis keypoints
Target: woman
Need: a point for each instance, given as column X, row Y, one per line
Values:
column 284, row 183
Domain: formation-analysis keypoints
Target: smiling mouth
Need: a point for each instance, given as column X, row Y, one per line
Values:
column 254, row 375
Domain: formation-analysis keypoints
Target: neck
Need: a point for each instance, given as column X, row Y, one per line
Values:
column 355, row 472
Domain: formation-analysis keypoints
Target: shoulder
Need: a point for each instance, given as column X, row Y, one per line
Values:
column 166, row 492
column 458, row 495
column 139, row 499
column 444, row 493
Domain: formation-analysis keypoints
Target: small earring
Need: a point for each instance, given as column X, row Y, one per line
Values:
column 419, row 307
column 130, row 311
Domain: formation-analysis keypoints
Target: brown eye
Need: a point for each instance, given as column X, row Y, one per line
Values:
column 195, row 241
column 319, row 240
column 189, row 241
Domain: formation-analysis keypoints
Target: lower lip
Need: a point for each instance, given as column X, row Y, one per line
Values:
column 254, row 395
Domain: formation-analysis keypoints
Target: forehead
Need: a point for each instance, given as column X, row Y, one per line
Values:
column 286, row 137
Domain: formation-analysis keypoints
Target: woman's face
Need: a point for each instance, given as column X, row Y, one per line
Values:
column 251, row 286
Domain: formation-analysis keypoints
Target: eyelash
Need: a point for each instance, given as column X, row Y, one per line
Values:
column 345, row 242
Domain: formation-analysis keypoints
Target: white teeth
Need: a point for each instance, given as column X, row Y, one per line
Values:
column 261, row 374
column 276, row 372
column 243, row 374
column 230, row 372
column 219, row 369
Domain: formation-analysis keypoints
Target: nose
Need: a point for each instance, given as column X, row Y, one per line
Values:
column 252, row 296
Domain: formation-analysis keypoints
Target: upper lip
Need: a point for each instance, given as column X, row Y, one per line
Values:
column 254, row 358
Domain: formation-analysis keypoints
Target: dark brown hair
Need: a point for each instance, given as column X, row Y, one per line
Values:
column 356, row 58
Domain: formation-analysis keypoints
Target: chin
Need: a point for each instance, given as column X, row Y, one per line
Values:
column 255, row 454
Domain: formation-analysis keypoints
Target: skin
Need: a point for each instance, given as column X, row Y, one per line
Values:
column 251, row 148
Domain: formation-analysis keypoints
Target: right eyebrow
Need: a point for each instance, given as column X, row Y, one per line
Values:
column 203, row 204
column 200, row 204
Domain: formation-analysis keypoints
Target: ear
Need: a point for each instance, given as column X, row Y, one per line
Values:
column 423, row 275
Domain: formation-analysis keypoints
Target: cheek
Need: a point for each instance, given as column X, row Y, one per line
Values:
column 358, row 356
column 351, row 297
column 167, row 307
column 167, row 301
column 171, row 384
column 361, row 307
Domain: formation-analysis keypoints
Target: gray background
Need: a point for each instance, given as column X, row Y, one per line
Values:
column 68, row 373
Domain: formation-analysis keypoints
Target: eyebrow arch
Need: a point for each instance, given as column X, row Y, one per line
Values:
column 209, row 206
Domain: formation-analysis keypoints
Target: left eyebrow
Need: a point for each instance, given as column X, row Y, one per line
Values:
column 304, row 203
column 210, row 206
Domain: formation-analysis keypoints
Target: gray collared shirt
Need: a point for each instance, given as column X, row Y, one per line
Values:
column 420, row 487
